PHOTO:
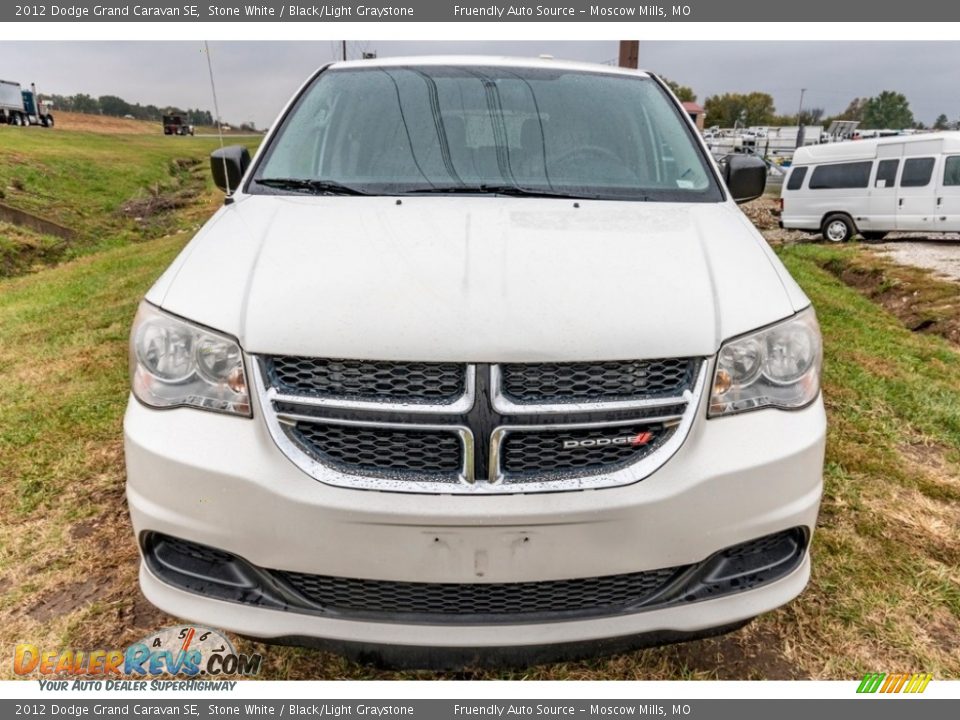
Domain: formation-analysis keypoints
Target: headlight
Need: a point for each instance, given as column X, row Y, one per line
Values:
column 778, row 366
column 175, row 363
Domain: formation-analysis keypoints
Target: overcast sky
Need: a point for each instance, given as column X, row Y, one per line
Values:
column 254, row 79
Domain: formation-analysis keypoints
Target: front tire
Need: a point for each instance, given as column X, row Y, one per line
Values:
column 837, row 228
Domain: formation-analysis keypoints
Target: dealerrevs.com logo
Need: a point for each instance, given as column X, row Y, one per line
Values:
column 183, row 650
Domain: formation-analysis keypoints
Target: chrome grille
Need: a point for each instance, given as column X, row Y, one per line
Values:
column 479, row 428
column 416, row 382
column 598, row 594
column 591, row 382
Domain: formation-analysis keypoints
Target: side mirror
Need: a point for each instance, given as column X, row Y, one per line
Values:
column 227, row 165
column 746, row 177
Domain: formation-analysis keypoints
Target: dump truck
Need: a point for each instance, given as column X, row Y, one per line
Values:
column 23, row 107
column 176, row 125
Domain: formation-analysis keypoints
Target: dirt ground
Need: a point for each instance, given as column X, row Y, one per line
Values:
column 107, row 125
column 104, row 124
column 763, row 214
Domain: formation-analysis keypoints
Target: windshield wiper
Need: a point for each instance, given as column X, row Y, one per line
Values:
column 494, row 189
column 317, row 187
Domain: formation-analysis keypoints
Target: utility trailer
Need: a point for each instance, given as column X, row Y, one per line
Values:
column 22, row 107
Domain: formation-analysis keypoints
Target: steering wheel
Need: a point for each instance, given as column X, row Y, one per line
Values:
column 594, row 151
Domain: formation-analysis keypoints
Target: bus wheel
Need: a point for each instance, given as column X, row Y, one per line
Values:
column 837, row 228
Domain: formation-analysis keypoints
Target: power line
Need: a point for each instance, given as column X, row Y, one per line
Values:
column 216, row 110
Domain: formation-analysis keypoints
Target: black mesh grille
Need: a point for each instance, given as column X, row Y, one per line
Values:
column 544, row 451
column 756, row 547
column 214, row 573
column 367, row 380
column 586, row 382
column 195, row 550
column 599, row 594
column 382, row 450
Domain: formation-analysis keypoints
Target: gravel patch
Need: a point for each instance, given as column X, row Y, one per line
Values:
column 940, row 256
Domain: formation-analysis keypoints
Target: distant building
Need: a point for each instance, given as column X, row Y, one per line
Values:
column 696, row 113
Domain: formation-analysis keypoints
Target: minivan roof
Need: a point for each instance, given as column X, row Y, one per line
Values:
column 490, row 61
column 867, row 149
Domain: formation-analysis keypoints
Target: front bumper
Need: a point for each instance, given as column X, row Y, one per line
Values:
column 220, row 481
column 458, row 646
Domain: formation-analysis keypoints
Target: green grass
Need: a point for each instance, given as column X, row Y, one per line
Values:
column 72, row 324
column 884, row 594
column 887, row 549
column 892, row 374
column 23, row 250
column 99, row 186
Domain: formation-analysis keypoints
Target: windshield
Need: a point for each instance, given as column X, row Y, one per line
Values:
column 397, row 130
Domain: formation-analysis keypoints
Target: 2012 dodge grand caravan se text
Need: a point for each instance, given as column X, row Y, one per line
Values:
column 479, row 362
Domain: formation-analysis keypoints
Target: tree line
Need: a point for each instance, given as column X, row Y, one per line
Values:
column 118, row 107
column 888, row 110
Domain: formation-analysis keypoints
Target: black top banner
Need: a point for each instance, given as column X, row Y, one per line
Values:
column 478, row 11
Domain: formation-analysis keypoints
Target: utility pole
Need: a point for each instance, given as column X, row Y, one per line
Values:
column 343, row 50
column 800, row 133
column 629, row 54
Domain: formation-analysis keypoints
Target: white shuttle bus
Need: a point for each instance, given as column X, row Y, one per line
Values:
column 872, row 187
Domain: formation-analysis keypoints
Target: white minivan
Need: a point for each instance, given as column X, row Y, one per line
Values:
column 479, row 362
column 872, row 187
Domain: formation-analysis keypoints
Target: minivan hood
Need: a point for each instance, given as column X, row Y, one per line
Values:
column 481, row 279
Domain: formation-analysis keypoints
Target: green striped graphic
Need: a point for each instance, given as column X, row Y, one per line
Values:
column 871, row 682
column 896, row 683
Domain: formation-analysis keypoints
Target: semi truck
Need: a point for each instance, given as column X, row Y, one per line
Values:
column 23, row 107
